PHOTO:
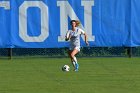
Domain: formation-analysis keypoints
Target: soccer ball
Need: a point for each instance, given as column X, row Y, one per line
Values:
column 66, row 68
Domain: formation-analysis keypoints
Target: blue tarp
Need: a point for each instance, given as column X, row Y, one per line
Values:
column 44, row 23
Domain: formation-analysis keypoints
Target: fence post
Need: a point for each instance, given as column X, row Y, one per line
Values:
column 10, row 53
column 129, row 52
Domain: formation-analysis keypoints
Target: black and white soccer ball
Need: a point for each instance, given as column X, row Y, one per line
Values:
column 66, row 68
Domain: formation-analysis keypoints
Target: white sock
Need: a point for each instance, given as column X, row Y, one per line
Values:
column 75, row 59
column 73, row 63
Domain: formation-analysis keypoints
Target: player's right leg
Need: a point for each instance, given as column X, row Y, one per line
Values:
column 72, row 61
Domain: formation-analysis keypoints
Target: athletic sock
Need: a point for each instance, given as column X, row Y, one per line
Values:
column 73, row 63
column 75, row 59
column 76, row 64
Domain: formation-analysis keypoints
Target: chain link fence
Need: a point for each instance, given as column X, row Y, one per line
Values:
column 62, row 52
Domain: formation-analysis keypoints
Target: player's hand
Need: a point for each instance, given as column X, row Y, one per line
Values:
column 87, row 43
column 66, row 39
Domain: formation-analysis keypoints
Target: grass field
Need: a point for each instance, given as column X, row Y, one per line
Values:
column 95, row 75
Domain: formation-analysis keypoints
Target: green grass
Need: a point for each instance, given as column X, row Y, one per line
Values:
column 95, row 75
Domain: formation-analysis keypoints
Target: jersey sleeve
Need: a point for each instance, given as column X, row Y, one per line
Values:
column 81, row 31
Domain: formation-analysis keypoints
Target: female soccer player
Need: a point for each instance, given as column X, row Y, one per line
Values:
column 74, row 36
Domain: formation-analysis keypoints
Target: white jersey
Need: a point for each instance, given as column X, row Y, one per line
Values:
column 75, row 37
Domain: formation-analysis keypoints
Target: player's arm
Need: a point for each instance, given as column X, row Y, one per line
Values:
column 85, row 36
column 67, row 37
column 86, row 39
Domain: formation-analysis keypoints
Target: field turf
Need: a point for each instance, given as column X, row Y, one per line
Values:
column 95, row 75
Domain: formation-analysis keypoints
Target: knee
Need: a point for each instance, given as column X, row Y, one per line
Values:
column 72, row 55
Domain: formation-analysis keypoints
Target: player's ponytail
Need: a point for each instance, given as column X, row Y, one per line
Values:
column 77, row 23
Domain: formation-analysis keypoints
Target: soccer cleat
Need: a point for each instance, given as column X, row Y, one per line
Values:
column 76, row 70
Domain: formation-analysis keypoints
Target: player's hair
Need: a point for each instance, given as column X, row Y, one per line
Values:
column 76, row 21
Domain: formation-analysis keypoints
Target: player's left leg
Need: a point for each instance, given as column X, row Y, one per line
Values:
column 76, row 64
column 73, row 53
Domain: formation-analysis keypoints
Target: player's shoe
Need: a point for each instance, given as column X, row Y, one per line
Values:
column 76, row 67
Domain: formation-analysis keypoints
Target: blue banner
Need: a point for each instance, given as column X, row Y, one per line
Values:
column 44, row 23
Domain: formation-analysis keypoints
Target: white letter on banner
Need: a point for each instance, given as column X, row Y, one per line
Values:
column 88, row 18
column 23, row 21
column 5, row 4
column 66, row 10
